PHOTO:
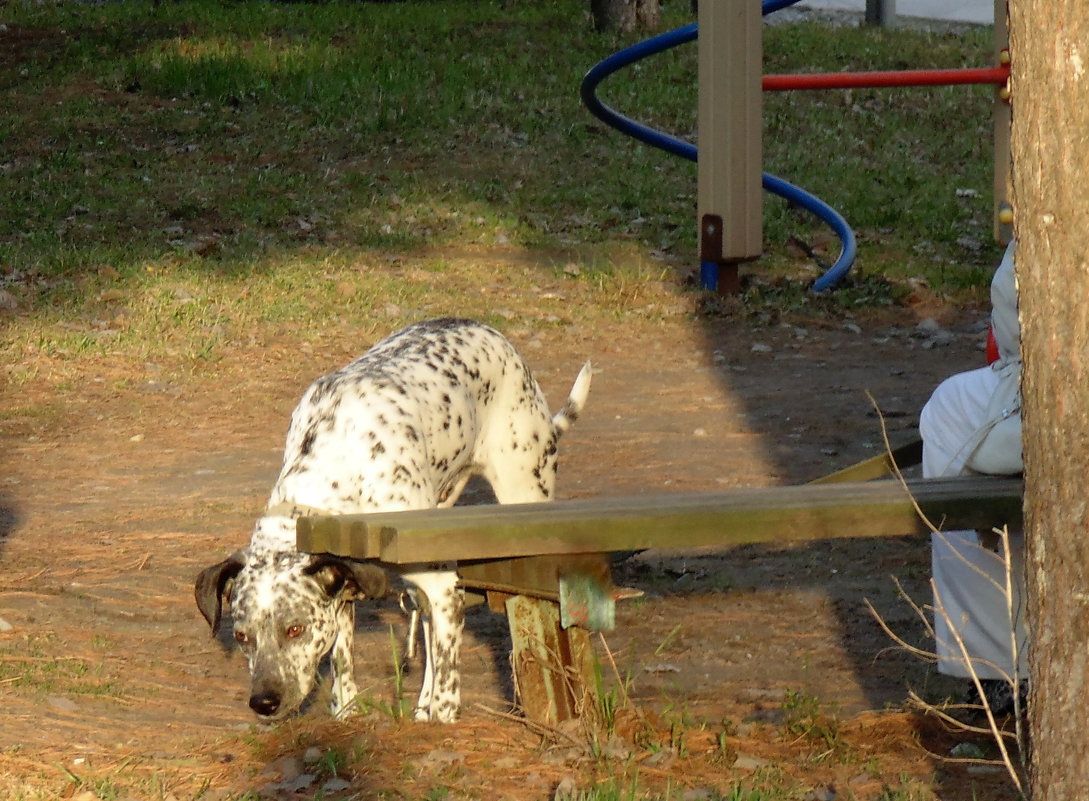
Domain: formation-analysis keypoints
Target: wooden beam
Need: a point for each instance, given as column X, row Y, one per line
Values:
column 680, row 520
column 884, row 465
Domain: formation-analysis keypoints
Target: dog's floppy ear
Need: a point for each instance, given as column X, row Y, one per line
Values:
column 211, row 585
column 355, row 580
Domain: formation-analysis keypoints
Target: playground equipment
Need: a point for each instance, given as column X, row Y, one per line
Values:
column 730, row 85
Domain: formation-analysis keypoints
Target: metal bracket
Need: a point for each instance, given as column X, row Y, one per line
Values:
column 590, row 603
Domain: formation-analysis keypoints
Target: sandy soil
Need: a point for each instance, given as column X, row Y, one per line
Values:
column 131, row 481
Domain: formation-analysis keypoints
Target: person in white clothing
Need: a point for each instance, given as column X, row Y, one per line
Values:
column 972, row 424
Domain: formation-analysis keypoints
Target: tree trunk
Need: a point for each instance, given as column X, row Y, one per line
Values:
column 1049, row 43
column 625, row 16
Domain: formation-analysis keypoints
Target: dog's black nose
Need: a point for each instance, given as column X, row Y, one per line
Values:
column 265, row 703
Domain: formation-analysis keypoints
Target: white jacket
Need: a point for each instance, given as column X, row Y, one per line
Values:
column 996, row 446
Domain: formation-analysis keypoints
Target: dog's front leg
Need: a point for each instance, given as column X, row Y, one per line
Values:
column 342, row 665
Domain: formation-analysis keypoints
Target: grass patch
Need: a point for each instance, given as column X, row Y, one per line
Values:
column 36, row 667
column 258, row 144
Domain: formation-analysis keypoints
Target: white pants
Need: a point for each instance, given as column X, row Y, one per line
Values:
column 970, row 579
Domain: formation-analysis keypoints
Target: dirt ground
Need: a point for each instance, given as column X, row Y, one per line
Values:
column 755, row 665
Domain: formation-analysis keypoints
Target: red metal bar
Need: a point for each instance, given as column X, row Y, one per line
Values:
column 869, row 80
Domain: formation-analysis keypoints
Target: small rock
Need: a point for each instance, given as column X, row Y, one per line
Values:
column 661, row 667
column 661, row 759
column 966, row 751
column 939, row 340
column 744, row 762
column 820, row 794
column 312, row 754
column 5, row 626
column 294, row 785
column 697, row 794
column 284, row 768
column 440, row 758
column 928, row 326
column 335, row 785
column 567, row 788
column 852, row 328
column 617, row 748
column 62, row 703
column 760, row 347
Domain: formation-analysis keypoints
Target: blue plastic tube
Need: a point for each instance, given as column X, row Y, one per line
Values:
column 686, row 150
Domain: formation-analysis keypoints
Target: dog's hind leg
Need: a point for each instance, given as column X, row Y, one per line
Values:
column 443, row 626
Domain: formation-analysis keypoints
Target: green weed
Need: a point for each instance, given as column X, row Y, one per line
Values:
column 805, row 720
column 34, row 667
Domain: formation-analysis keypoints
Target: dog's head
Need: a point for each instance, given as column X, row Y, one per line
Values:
column 287, row 608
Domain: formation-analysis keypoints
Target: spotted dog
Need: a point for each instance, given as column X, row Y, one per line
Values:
column 403, row 427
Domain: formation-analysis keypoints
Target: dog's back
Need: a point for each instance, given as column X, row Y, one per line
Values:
column 403, row 426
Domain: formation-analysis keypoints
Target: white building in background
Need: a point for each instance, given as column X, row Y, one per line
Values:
column 978, row 11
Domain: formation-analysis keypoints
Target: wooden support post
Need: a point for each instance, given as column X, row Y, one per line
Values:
column 730, row 196
column 553, row 666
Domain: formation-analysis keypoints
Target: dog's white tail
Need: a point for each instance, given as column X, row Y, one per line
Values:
column 566, row 417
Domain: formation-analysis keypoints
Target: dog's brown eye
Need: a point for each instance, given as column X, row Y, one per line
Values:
column 241, row 637
column 294, row 631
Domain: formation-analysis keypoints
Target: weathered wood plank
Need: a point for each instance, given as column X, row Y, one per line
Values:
column 681, row 520
column 553, row 666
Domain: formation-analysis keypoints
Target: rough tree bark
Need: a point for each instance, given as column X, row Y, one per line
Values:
column 626, row 15
column 1049, row 43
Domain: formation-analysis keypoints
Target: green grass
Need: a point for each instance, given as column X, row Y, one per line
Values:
column 34, row 667
column 613, row 789
column 275, row 145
